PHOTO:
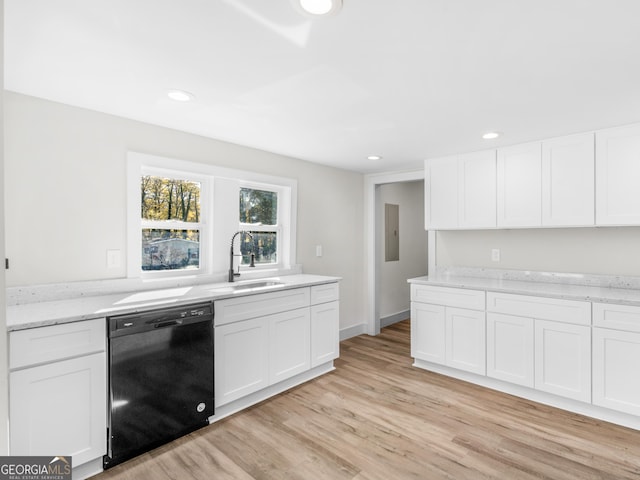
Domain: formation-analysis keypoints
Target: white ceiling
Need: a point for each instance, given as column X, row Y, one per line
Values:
column 405, row 79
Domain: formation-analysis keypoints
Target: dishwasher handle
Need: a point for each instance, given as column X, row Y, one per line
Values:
column 171, row 323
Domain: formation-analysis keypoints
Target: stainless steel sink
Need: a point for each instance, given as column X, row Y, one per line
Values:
column 248, row 286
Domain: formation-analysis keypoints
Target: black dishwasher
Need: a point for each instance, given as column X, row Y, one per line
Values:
column 160, row 378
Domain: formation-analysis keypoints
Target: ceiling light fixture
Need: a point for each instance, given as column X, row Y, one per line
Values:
column 491, row 135
column 374, row 157
column 180, row 95
column 319, row 7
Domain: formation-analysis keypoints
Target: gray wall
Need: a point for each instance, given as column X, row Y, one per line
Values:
column 605, row 250
column 4, row 375
column 66, row 196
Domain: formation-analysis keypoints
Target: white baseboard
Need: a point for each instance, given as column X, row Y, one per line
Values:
column 353, row 331
column 395, row 318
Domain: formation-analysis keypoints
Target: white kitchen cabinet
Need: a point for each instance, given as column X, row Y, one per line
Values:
column 477, row 190
column 465, row 344
column 241, row 359
column 568, row 171
column 444, row 330
column 289, row 344
column 441, row 193
column 428, row 332
column 325, row 333
column 58, row 391
column 563, row 359
column 60, row 408
column 618, row 176
column 264, row 339
column 616, row 355
column 616, row 383
column 519, row 186
column 510, row 351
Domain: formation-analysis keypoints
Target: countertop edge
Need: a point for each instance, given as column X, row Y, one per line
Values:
column 49, row 313
column 537, row 289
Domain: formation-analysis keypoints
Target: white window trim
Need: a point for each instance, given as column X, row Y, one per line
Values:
column 139, row 163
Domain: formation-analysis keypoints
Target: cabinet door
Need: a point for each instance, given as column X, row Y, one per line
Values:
column 563, row 359
column 60, row 408
column 428, row 332
column 477, row 190
column 241, row 359
column 441, row 193
column 616, row 356
column 289, row 344
column 325, row 334
column 618, row 176
column 510, row 348
column 465, row 340
column 568, row 170
column 519, row 178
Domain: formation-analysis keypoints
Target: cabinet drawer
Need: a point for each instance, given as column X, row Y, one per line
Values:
column 242, row 308
column 329, row 292
column 450, row 297
column 568, row 311
column 617, row 317
column 56, row 342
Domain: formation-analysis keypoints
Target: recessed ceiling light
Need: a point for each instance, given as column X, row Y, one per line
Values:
column 180, row 95
column 491, row 135
column 374, row 157
column 319, row 7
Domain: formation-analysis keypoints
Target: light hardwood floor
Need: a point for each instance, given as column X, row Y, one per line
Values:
column 377, row 417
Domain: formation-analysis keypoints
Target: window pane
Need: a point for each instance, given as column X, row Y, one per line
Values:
column 170, row 249
column 169, row 199
column 258, row 207
column 264, row 245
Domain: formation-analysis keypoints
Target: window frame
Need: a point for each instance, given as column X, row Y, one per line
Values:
column 217, row 186
column 278, row 228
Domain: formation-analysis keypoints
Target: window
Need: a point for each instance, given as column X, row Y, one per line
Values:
column 170, row 214
column 181, row 216
column 259, row 215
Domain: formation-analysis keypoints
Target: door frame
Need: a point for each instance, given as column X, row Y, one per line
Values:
column 372, row 181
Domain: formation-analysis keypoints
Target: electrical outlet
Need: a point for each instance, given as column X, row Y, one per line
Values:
column 318, row 250
column 495, row 255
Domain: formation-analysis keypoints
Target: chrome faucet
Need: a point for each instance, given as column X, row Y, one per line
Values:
column 232, row 274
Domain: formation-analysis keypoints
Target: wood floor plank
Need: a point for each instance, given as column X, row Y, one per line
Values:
column 377, row 417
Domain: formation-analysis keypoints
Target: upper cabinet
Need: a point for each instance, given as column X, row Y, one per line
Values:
column 567, row 181
column 618, row 176
column 477, row 190
column 574, row 181
column 441, row 193
column 519, row 183
column 461, row 191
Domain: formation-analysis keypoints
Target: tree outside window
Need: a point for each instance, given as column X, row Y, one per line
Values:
column 259, row 215
column 171, row 229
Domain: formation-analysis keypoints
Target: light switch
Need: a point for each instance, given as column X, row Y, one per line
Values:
column 318, row 250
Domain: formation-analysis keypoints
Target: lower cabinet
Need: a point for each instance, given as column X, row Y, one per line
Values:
column 448, row 335
column 616, row 383
column 325, row 333
column 465, row 340
column 259, row 351
column 289, row 344
column 563, row 359
column 428, row 332
column 60, row 408
column 241, row 359
column 510, row 352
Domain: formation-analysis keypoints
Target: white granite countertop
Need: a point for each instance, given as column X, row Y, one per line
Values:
column 590, row 293
column 31, row 315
